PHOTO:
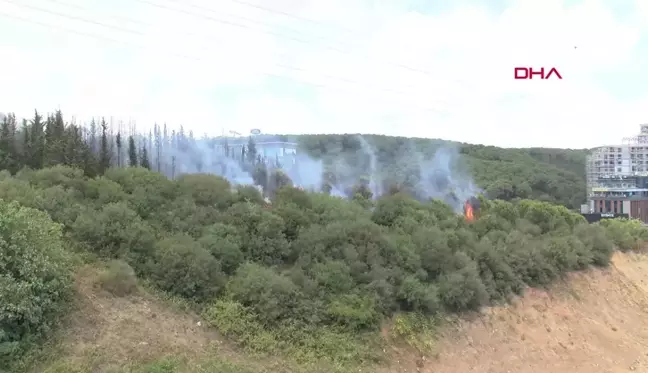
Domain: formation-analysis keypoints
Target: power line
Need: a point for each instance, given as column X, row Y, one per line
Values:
column 251, row 20
column 270, row 10
column 96, row 23
column 137, row 32
column 308, row 42
column 184, row 56
column 226, row 22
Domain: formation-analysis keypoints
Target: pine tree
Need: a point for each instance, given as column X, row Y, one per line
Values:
column 54, row 139
column 251, row 150
column 74, row 147
column 165, row 146
column 92, row 139
column 36, row 142
column 59, row 137
column 119, row 149
column 132, row 152
column 149, row 148
column 8, row 154
column 104, row 152
column 49, row 135
column 226, row 148
column 145, row 160
column 26, row 148
column 158, row 148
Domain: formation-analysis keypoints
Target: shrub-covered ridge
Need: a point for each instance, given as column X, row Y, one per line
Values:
column 310, row 275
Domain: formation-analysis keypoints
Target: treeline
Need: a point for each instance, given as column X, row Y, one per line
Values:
column 311, row 275
column 95, row 146
column 552, row 175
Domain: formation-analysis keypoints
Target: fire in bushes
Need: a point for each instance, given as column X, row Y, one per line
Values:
column 471, row 209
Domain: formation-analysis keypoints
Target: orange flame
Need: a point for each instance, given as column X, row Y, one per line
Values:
column 468, row 212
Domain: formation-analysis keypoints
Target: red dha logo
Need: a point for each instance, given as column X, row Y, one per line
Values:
column 528, row 73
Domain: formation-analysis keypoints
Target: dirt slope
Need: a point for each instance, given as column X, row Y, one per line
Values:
column 596, row 322
column 106, row 333
column 599, row 323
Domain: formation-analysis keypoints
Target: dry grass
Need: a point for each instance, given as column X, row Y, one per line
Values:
column 107, row 333
column 594, row 322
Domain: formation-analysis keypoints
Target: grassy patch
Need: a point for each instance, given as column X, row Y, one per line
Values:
column 118, row 279
column 319, row 349
column 416, row 330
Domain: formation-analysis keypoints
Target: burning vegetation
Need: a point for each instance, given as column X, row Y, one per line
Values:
column 471, row 209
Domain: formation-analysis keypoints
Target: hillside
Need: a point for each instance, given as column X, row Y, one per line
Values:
column 322, row 266
column 423, row 167
column 594, row 321
column 309, row 278
column 553, row 175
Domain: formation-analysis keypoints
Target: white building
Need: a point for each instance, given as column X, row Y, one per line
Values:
column 617, row 177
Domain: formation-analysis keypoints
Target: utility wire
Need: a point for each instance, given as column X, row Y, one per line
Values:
column 251, row 20
column 304, row 41
column 294, row 16
column 184, row 56
column 137, row 32
column 198, row 36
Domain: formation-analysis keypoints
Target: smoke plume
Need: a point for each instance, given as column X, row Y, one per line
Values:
column 340, row 170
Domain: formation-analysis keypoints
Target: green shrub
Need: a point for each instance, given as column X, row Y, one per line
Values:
column 181, row 266
column 274, row 297
column 115, row 231
column 626, row 234
column 118, row 278
column 34, row 276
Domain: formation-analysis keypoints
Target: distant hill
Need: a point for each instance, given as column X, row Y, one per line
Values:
column 555, row 175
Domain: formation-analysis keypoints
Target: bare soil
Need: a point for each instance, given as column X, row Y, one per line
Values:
column 596, row 321
column 109, row 332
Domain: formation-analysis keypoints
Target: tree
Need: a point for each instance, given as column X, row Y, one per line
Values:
column 158, row 148
column 226, row 148
column 251, row 151
column 104, row 152
column 9, row 157
column 145, row 159
column 36, row 277
column 132, row 152
column 54, row 140
column 173, row 167
column 36, row 142
column 118, row 140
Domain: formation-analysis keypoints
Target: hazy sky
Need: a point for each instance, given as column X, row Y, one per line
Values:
column 425, row 68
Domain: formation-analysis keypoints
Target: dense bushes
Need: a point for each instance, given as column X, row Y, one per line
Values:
column 626, row 235
column 34, row 276
column 307, row 270
column 118, row 278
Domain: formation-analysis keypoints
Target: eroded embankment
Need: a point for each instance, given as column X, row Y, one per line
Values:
column 596, row 322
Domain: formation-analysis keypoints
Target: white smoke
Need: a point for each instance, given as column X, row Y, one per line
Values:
column 437, row 176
